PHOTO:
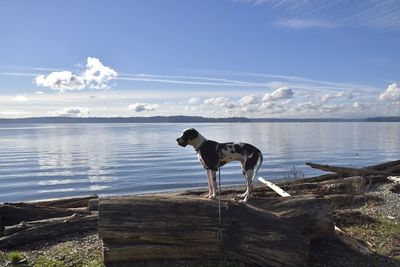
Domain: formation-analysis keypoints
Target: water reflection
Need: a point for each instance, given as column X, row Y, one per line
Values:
column 42, row 161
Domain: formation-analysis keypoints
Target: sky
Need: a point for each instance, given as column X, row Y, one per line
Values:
column 211, row 58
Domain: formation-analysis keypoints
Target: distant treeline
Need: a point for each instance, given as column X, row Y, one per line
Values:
column 184, row 119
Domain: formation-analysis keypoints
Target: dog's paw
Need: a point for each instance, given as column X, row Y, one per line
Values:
column 241, row 195
column 242, row 201
column 212, row 196
column 206, row 195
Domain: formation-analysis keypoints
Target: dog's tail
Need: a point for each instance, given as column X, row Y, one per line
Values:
column 260, row 161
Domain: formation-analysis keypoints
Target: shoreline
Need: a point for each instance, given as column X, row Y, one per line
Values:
column 366, row 211
column 85, row 248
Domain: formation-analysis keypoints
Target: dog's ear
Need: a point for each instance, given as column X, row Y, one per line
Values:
column 190, row 134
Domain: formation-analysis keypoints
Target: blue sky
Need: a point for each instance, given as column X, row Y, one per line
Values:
column 214, row 58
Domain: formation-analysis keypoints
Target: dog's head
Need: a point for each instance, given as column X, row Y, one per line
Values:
column 187, row 137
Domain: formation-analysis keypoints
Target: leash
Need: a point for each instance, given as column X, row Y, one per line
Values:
column 219, row 233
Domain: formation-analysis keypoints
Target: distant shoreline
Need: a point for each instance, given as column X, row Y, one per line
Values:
column 185, row 119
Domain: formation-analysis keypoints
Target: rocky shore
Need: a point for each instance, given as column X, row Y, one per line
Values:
column 84, row 249
column 368, row 212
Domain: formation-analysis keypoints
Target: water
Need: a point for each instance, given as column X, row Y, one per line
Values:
column 40, row 161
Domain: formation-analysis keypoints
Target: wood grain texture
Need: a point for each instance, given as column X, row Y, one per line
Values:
column 185, row 227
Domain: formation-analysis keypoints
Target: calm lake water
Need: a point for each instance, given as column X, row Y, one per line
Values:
column 40, row 161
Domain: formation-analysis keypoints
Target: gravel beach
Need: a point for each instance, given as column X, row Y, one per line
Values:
column 84, row 249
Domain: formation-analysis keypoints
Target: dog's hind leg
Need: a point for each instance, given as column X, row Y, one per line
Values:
column 245, row 176
column 249, row 174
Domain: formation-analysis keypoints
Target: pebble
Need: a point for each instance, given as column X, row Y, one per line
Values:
column 390, row 206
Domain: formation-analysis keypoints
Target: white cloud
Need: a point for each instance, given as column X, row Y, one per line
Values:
column 12, row 113
column 20, row 98
column 71, row 112
column 249, row 100
column 220, row 101
column 267, row 106
column 392, row 93
column 300, row 107
column 61, row 81
column 281, row 93
column 39, row 92
column 327, row 97
column 305, row 23
column 330, row 108
column 298, row 14
column 358, row 106
column 139, row 107
column 194, row 101
column 249, row 109
column 95, row 76
column 190, row 108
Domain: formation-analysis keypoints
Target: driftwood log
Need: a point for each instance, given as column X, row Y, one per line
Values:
column 379, row 171
column 28, row 232
column 70, row 202
column 346, row 171
column 22, row 223
column 340, row 234
column 14, row 213
column 173, row 227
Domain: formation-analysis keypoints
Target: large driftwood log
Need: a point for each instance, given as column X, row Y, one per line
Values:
column 392, row 167
column 28, row 232
column 70, row 202
column 185, row 227
column 14, row 213
column 346, row 171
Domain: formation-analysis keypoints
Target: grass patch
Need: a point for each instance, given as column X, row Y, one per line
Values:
column 14, row 257
column 94, row 263
column 44, row 261
column 383, row 235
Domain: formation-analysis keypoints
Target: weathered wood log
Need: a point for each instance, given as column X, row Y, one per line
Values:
column 70, row 202
column 392, row 166
column 185, row 227
column 395, row 169
column 28, row 232
column 387, row 166
column 311, row 216
column 346, row 171
column 351, row 242
column 340, row 234
column 93, row 204
column 321, row 178
column 14, row 213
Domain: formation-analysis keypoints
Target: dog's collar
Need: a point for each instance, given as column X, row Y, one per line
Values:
column 197, row 150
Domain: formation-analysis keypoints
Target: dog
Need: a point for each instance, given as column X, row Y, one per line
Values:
column 213, row 155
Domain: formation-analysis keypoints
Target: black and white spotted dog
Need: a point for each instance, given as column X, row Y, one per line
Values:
column 213, row 155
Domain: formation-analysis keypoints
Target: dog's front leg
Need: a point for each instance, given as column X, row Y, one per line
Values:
column 209, row 180
column 213, row 175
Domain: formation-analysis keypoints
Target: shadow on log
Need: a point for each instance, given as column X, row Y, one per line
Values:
column 173, row 227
